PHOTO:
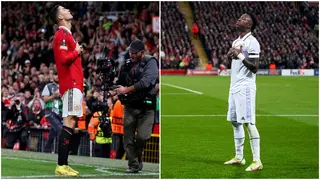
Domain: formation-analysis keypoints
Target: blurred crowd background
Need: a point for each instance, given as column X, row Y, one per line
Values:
column 27, row 63
column 287, row 32
column 176, row 43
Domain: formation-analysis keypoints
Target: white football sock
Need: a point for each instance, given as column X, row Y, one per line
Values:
column 238, row 138
column 254, row 141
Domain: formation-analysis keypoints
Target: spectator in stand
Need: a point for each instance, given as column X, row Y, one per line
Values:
column 195, row 30
column 6, row 100
column 36, row 113
column 176, row 42
column 28, row 97
column 209, row 66
column 27, row 41
column 286, row 32
column 272, row 66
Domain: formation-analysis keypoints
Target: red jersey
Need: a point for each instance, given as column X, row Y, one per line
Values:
column 68, row 61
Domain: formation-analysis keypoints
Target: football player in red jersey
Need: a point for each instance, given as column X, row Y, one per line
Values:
column 67, row 55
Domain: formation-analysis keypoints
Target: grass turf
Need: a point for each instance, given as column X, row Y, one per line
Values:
column 25, row 165
column 196, row 147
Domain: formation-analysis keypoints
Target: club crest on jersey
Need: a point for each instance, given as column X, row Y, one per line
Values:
column 63, row 45
column 76, row 108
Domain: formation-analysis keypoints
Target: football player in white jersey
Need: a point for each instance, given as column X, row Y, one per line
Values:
column 242, row 95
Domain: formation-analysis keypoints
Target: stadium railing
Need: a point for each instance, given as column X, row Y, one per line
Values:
column 151, row 152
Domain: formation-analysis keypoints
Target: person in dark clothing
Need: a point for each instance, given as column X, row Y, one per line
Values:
column 17, row 126
column 4, row 111
column 137, row 80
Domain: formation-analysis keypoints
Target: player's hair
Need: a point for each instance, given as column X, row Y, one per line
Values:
column 254, row 21
column 53, row 15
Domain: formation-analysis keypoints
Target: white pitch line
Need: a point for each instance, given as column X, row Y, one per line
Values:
column 179, row 87
column 175, row 93
column 107, row 171
column 223, row 115
column 48, row 176
column 44, row 161
column 104, row 170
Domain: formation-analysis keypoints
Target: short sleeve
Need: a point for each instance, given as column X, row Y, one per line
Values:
column 45, row 91
column 254, row 49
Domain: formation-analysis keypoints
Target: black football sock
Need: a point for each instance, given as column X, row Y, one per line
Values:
column 63, row 149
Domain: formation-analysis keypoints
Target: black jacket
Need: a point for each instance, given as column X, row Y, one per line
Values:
column 142, row 75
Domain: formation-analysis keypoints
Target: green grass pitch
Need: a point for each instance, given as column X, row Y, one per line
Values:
column 32, row 165
column 196, row 138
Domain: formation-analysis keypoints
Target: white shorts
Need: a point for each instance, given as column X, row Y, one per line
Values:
column 72, row 103
column 241, row 106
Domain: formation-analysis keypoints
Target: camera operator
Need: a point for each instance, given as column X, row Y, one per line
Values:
column 17, row 125
column 137, row 80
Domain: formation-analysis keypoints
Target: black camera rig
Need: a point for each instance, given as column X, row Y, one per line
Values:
column 106, row 72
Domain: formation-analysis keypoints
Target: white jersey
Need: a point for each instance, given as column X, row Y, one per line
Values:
column 241, row 76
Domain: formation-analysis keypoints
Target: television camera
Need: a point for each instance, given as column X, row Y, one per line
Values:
column 106, row 72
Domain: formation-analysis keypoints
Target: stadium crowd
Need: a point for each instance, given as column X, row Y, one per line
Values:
column 177, row 50
column 103, row 28
column 285, row 31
